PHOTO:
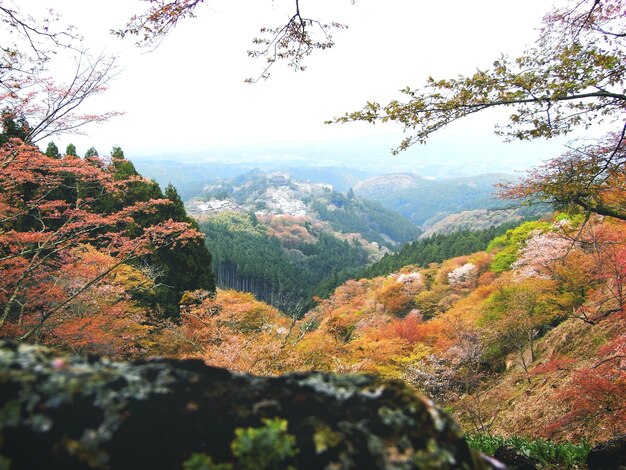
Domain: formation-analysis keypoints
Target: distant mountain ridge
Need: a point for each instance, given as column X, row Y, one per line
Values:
column 279, row 193
column 189, row 178
column 424, row 201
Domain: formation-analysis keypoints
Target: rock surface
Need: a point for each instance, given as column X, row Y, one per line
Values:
column 71, row 412
column 515, row 459
column 608, row 455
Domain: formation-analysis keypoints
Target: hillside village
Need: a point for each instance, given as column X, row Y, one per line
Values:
column 282, row 195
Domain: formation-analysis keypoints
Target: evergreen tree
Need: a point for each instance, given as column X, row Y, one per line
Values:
column 124, row 168
column 52, row 150
column 71, row 150
column 13, row 129
column 92, row 152
column 117, row 152
column 177, row 209
column 180, row 268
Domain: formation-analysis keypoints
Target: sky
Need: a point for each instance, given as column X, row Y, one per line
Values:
column 187, row 100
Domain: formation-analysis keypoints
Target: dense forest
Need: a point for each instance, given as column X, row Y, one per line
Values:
column 282, row 268
column 436, row 249
column 85, row 243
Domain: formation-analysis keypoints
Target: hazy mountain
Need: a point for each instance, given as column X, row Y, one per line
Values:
column 480, row 219
column 279, row 193
column 189, row 178
column 424, row 201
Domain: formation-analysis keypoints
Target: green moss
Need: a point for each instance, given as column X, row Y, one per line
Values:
column 204, row 462
column 59, row 382
column 434, row 457
column 265, row 447
column 325, row 438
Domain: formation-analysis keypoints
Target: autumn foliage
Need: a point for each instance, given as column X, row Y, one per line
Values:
column 77, row 238
column 66, row 232
column 450, row 329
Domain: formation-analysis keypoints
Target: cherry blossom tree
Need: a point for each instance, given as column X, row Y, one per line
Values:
column 26, row 89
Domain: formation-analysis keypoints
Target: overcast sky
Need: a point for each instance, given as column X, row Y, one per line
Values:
column 187, row 99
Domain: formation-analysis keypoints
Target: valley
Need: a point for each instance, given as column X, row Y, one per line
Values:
column 303, row 277
column 260, row 282
column 287, row 241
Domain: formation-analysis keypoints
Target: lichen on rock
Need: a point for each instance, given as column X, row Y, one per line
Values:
column 72, row 412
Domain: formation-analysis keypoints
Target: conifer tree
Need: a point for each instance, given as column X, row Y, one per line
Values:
column 91, row 152
column 71, row 150
column 52, row 150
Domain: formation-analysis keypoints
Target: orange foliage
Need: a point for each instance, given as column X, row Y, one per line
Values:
column 407, row 328
column 289, row 229
column 103, row 319
column 49, row 207
column 394, row 298
column 231, row 330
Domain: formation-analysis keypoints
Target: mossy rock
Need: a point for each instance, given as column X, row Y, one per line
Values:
column 71, row 412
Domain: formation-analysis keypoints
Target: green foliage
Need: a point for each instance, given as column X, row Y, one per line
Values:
column 560, row 454
column 91, row 152
column 246, row 258
column 571, row 77
column 328, row 285
column 117, row 152
column 52, row 150
column 266, row 447
column 71, row 150
column 435, row 249
column 204, row 462
column 434, row 457
column 508, row 245
column 13, row 128
column 124, row 169
column 348, row 214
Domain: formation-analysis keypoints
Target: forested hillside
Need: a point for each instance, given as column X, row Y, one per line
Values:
column 287, row 241
column 281, row 261
column 436, row 249
column 524, row 338
column 517, row 330
column 92, row 254
column 412, row 196
column 279, row 194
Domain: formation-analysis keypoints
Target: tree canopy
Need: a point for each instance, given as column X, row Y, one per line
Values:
column 573, row 77
column 290, row 41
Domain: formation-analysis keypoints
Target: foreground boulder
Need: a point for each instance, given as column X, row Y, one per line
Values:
column 608, row 455
column 70, row 412
column 514, row 459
